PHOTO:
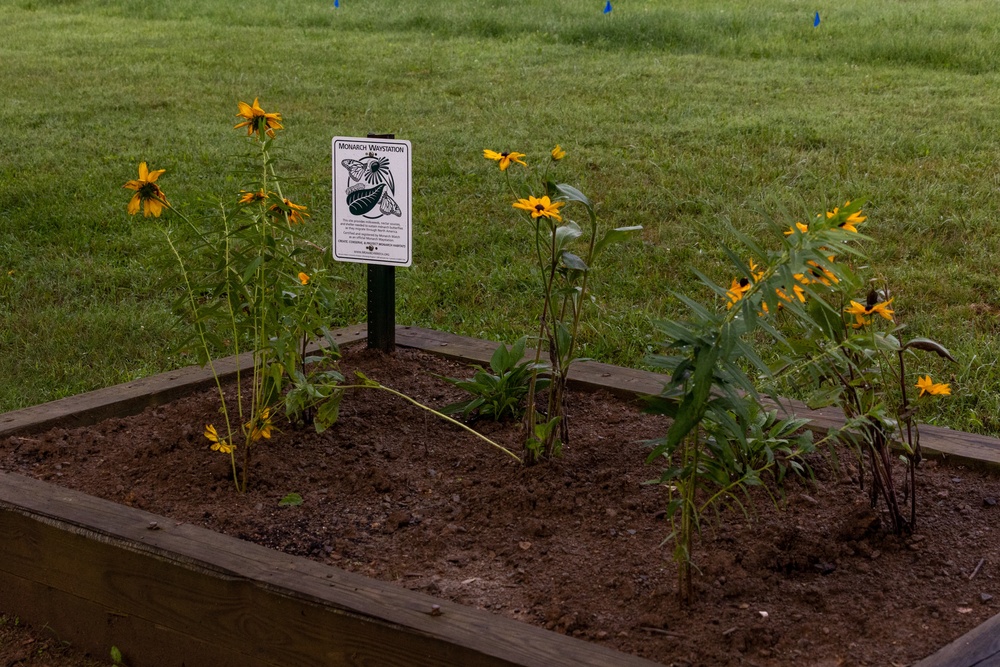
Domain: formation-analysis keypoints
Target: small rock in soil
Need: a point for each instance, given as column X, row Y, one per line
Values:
column 985, row 597
column 825, row 568
column 989, row 502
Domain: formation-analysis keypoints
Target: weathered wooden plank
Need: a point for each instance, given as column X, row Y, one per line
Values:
column 95, row 628
column 134, row 397
column 588, row 375
column 214, row 588
column 979, row 647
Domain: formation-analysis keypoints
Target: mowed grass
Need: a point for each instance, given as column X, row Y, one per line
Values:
column 681, row 118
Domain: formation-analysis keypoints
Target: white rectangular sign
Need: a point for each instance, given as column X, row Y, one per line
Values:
column 372, row 201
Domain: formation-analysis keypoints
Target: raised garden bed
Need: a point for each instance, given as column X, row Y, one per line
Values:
column 169, row 591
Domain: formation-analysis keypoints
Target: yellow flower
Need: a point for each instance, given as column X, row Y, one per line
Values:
column 882, row 309
column 251, row 197
column 558, row 153
column 541, row 207
column 861, row 312
column 927, row 386
column 821, row 274
column 147, row 193
column 218, row 444
column 261, row 426
column 504, row 158
column 798, row 225
column 737, row 289
column 854, row 219
column 740, row 286
column 799, row 293
column 258, row 120
column 303, row 278
column 295, row 212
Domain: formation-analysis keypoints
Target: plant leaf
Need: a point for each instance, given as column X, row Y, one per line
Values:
column 929, row 345
column 574, row 261
column 616, row 235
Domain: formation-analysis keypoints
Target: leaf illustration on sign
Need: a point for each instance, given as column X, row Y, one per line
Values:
column 364, row 200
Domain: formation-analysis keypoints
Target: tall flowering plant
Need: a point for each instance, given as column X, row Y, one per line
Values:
column 802, row 300
column 254, row 283
column 565, row 253
column 852, row 352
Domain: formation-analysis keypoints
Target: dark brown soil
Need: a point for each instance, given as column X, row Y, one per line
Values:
column 575, row 545
column 24, row 646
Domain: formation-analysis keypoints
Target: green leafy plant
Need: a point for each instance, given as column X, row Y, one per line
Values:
column 565, row 253
column 797, row 299
column 498, row 394
column 717, row 444
column 254, row 283
column 850, row 352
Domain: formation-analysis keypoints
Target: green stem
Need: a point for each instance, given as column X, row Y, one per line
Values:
column 204, row 343
column 376, row 385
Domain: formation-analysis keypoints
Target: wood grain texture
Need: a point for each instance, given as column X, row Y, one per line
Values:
column 978, row 648
column 230, row 602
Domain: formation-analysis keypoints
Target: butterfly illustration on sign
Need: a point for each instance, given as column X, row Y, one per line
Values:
column 370, row 185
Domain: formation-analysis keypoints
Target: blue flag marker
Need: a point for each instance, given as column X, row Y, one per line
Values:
column 816, row 21
column 607, row 7
column 336, row 3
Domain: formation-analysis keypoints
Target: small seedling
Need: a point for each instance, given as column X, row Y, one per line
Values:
column 498, row 394
column 291, row 500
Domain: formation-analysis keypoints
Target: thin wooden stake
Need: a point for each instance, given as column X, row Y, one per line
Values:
column 976, row 571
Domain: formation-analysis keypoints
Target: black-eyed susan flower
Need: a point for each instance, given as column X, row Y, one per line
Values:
column 304, row 277
column 802, row 228
column 251, row 197
column 541, row 207
column 928, row 386
column 820, row 274
column 148, row 194
column 296, row 213
column 799, row 293
column 737, row 289
column 862, row 311
column 261, row 426
column 218, row 444
column 882, row 309
column 505, row 159
column 558, row 153
column 850, row 224
column 257, row 120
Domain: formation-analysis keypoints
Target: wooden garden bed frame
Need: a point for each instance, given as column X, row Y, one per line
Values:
column 167, row 593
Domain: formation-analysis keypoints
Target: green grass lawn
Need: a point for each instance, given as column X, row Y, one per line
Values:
column 678, row 118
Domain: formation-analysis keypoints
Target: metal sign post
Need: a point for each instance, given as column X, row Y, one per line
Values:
column 372, row 222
